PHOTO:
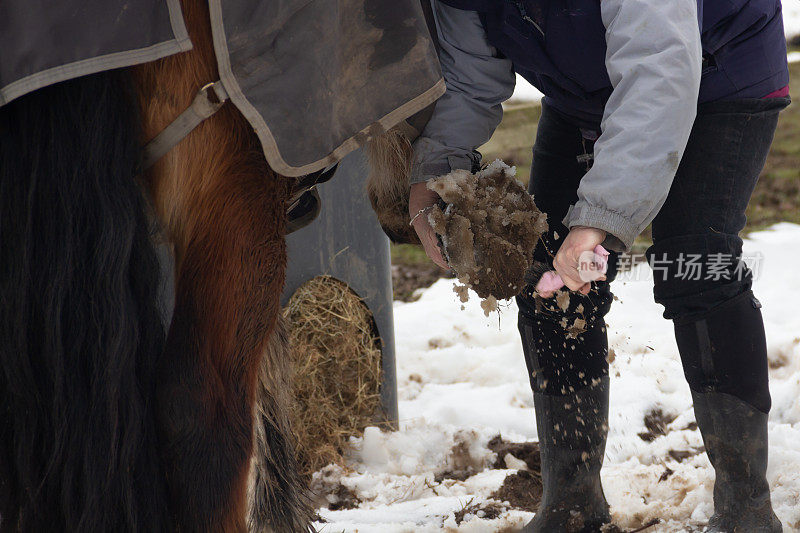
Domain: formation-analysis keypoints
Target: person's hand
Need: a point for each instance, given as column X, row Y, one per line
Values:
column 580, row 242
column 423, row 198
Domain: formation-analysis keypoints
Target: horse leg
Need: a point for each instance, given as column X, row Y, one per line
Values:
column 224, row 210
column 277, row 499
column 231, row 256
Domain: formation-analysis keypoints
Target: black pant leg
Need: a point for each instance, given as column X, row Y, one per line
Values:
column 561, row 357
column 700, row 221
column 718, row 323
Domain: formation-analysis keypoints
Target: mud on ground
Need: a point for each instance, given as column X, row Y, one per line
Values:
column 408, row 277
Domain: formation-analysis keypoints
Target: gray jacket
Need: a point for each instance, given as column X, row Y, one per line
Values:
column 654, row 62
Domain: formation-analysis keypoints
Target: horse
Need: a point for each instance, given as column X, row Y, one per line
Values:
column 110, row 419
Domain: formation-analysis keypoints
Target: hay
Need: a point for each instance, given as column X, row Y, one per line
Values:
column 337, row 370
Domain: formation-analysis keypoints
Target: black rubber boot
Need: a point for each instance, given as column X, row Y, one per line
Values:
column 572, row 441
column 724, row 355
column 735, row 436
column 571, row 393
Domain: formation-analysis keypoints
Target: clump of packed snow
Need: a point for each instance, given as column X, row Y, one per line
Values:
column 462, row 381
column 489, row 227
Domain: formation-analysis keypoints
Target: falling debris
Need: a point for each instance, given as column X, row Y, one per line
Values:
column 488, row 305
column 562, row 299
column 657, row 423
column 489, row 226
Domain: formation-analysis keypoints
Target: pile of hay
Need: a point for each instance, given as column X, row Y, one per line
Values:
column 336, row 358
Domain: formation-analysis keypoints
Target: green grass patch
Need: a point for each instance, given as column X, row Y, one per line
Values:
column 777, row 194
column 409, row 254
column 513, row 140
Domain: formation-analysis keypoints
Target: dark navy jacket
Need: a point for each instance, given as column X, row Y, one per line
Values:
column 559, row 46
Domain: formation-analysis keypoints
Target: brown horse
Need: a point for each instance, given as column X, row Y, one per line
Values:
column 106, row 422
column 223, row 209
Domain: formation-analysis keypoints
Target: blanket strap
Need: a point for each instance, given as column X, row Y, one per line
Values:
column 203, row 106
column 304, row 203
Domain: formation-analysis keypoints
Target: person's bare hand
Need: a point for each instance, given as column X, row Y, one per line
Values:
column 580, row 240
column 423, row 198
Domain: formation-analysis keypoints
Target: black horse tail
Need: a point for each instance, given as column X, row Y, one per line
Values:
column 80, row 331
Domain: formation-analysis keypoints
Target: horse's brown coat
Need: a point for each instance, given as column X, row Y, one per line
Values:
column 224, row 210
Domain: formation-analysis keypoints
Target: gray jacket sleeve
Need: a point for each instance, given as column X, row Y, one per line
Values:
column 654, row 61
column 478, row 82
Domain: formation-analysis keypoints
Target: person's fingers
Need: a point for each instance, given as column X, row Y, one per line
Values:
column 435, row 253
column 566, row 268
column 585, row 289
column 421, row 199
column 572, row 284
column 571, row 278
column 430, row 243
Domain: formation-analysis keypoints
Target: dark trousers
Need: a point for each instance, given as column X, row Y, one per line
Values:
column 699, row 223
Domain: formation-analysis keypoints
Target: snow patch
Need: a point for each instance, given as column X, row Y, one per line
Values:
column 462, row 380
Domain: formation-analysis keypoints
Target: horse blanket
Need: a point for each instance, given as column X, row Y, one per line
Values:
column 315, row 78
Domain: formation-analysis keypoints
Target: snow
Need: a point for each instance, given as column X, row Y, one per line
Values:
column 791, row 18
column 525, row 92
column 462, row 380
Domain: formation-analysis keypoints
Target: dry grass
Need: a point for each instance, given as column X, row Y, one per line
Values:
column 337, row 370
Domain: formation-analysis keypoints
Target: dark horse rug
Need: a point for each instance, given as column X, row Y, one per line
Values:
column 315, row 78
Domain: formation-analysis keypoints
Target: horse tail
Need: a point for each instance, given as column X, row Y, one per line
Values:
column 79, row 325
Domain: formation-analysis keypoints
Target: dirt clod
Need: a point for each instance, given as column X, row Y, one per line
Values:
column 681, row 455
column 656, row 422
column 344, row 499
column 489, row 227
column 528, row 452
column 327, row 490
column 522, row 490
column 485, row 510
column 455, row 475
column 461, row 459
column 665, row 475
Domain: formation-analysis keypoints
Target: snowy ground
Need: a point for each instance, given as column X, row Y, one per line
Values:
column 791, row 18
column 525, row 92
column 462, row 381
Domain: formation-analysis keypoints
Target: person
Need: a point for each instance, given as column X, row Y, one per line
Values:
column 654, row 111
